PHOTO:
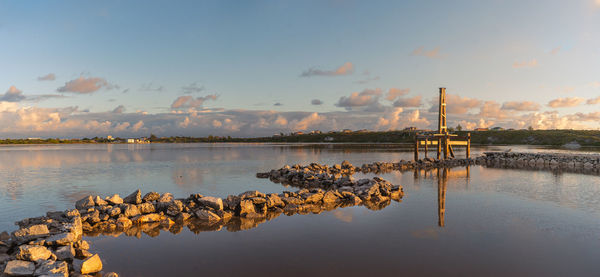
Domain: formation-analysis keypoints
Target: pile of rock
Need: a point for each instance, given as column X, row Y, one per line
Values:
column 542, row 160
column 50, row 245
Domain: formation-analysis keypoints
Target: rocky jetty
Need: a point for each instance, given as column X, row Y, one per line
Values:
column 52, row 245
column 578, row 163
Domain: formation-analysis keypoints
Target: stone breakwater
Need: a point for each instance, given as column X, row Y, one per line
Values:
column 553, row 161
column 339, row 176
column 52, row 245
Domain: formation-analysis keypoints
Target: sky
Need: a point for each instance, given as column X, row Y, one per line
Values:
column 73, row 69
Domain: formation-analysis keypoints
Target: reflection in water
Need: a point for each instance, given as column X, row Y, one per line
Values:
column 442, row 184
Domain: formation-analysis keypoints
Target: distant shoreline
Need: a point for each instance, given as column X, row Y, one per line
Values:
column 568, row 138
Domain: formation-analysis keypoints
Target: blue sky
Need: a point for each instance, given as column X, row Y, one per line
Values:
column 239, row 65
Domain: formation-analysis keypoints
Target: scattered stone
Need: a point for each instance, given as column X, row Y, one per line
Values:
column 92, row 264
column 99, row 201
column 84, row 203
column 52, row 268
column 115, row 199
column 33, row 253
column 114, row 212
column 174, row 208
column 207, row 216
column 61, row 239
column 134, row 198
column 251, row 194
column 246, row 207
column 111, row 274
column 123, row 223
column 147, row 218
column 151, row 196
column 131, row 211
column 65, row 253
column 31, row 232
column 213, row 202
column 146, row 208
column 19, row 268
column 166, row 197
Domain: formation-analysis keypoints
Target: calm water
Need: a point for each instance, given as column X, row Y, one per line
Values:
column 496, row 222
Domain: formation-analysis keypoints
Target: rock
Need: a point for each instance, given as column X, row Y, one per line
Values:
column 131, row 211
column 82, row 244
column 114, row 212
column 92, row 264
column 166, row 197
column 115, row 199
column 246, row 207
column 182, row 217
column 292, row 200
column 146, row 218
column 213, row 202
column 84, row 203
column 4, row 236
column 34, row 253
column 61, row 239
column 251, row 194
column 4, row 258
column 314, row 198
column 31, row 232
column 99, row 201
column 207, row 215
column 151, row 196
column 52, row 268
column 82, row 253
column 134, row 198
column 330, row 197
column 273, row 200
column 19, row 268
column 146, row 208
column 175, row 207
column 65, row 253
column 111, row 274
column 123, row 223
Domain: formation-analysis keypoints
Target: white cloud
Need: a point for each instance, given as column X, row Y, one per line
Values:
column 365, row 98
column 85, row 85
column 408, row 102
column 525, row 64
column 47, row 77
column 565, row 102
column 394, row 93
column 434, row 53
column 191, row 102
column 13, row 94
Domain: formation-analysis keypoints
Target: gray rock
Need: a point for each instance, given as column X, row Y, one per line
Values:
column 213, row 202
column 207, row 215
column 175, row 208
column 61, row 239
column 52, row 268
column 111, row 274
column 251, row 194
column 82, row 244
column 4, row 236
column 134, row 198
column 4, row 258
column 19, row 268
column 166, row 197
column 84, row 203
column 146, row 208
column 151, row 196
column 92, row 264
column 115, row 199
column 31, row 232
column 114, row 212
column 65, row 253
column 34, row 253
column 99, row 201
column 131, row 211
column 273, row 200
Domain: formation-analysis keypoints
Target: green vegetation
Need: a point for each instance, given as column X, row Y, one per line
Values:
column 493, row 137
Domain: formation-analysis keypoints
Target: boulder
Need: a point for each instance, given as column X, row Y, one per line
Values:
column 246, row 207
column 99, row 201
column 31, row 232
column 52, row 268
column 34, row 253
column 4, row 258
column 65, row 253
column 19, row 268
column 123, row 223
column 330, row 197
column 84, row 203
column 131, row 211
column 114, row 212
column 313, row 198
column 213, row 202
column 61, row 239
column 111, row 274
column 82, row 244
column 134, row 198
column 151, row 196
column 165, row 198
column 4, row 236
column 251, row 194
column 146, row 208
column 273, row 200
column 207, row 215
column 92, row 264
column 115, row 199
column 146, row 218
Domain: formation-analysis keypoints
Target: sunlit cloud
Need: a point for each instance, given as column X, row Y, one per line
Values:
column 408, row 102
column 85, row 85
column 191, row 102
column 47, row 77
column 345, row 69
column 364, row 98
column 434, row 53
column 13, row 94
column 555, row 51
column 192, row 88
column 456, row 104
column 521, row 106
column 119, row 109
column 565, row 102
column 525, row 64
column 394, row 93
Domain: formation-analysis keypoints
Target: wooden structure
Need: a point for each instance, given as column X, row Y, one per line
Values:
column 443, row 140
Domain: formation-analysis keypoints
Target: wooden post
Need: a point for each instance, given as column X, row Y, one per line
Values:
column 426, row 141
column 439, row 148
column 468, row 145
column 446, row 147
column 416, row 149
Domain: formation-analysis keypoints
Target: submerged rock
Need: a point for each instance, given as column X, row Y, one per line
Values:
column 19, row 268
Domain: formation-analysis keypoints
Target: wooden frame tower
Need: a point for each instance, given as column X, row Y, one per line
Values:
column 442, row 139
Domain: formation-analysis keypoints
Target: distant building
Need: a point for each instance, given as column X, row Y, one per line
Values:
column 346, row 131
column 410, row 129
column 315, row 132
column 328, row 139
column 140, row 140
column 481, row 129
column 298, row 133
column 130, row 140
column 109, row 138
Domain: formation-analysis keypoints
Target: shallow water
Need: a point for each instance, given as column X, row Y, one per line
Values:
column 495, row 221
